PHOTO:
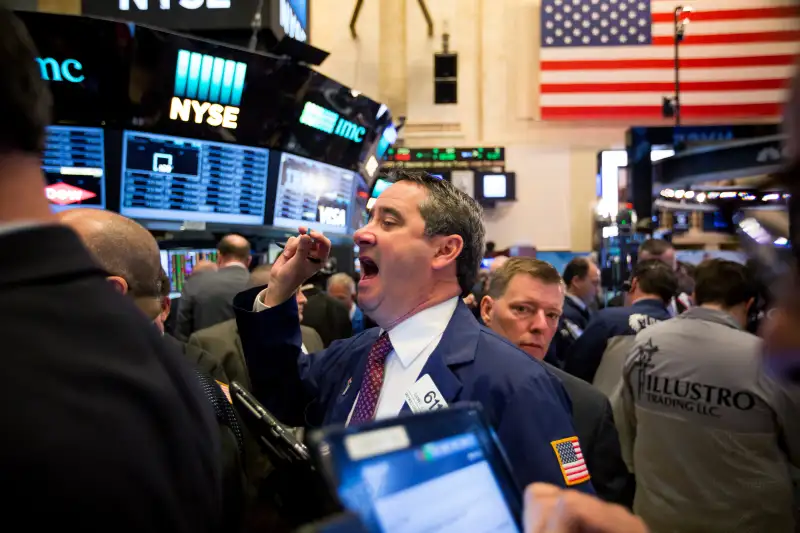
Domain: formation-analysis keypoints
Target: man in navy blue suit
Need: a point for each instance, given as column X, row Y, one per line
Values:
column 419, row 253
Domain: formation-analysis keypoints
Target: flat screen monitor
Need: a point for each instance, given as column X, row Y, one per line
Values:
column 495, row 186
column 74, row 167
column 174, row 178
column 179, row 264
column 313, row 194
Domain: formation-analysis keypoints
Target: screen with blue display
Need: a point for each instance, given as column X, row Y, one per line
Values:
column 172, row 178
column 73, row 163
column 313, row 194
column 380, row 185
column 441, row 486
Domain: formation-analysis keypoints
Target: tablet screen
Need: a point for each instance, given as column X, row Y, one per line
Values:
column 442, row 486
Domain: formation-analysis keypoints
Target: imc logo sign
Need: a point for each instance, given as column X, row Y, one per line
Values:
column 322, row 119
column 207, row 89
column 69, row 70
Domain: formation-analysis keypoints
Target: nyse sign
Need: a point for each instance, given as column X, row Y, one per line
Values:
column 166, row 5
column 177, row 14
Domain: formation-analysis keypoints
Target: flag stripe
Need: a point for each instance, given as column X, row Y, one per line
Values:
column 725, row 27
column 705, row 51
column 685, row 63
column 665, row 87
column 730, row 14
column 736, row 58
column 638, row 98
column 665, row 75
column 628, row 113
column 732, row 38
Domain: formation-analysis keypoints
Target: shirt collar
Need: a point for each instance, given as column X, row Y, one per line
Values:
column 711, row 315
column 580, row 303
column 411, row 337
column 235, row 264
column 352, row 310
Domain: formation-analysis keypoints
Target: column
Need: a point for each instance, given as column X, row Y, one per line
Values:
column 393, row 57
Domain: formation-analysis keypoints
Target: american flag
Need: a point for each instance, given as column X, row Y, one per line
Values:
column 570, row 457
column 614, row 59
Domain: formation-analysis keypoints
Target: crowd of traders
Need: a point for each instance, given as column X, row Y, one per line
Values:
column 114, row 424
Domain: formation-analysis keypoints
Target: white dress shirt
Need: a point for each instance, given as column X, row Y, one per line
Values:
column 413, row 342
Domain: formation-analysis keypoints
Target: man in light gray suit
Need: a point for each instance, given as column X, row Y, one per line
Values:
column 223, row 343
column 207, row 296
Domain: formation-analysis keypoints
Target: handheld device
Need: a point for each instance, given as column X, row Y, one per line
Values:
column 442, row 471
column 276, row 439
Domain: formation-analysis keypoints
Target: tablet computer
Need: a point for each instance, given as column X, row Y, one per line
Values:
column 439, row 472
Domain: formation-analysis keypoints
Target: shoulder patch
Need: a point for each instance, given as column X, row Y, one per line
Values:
column 570, row 459
column 638, row 322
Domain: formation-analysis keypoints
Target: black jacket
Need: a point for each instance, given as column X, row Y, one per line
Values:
column 105, row 428
column 328, row 316
column 594, row 422
column 207, row 299
column 571, row 325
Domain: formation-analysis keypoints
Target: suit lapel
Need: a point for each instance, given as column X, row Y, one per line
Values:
column 351, row 382
column 457, row 348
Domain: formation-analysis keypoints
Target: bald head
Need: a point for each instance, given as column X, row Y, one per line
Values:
column 233, row 249
column 123, row 248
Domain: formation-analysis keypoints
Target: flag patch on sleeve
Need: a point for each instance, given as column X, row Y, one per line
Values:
column 570, row 459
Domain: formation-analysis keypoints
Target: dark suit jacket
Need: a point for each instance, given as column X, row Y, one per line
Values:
column 224, row 348
column 570, row 326
column 525, row 403
column 105, row 426
column 327, row 316
column 207, row 299
column 594, row 423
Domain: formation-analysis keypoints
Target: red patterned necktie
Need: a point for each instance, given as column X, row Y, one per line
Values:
column 373, row 381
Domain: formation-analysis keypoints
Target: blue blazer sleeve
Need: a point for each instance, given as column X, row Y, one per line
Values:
column 538, row 415
column 282, row 376
column 584, row 356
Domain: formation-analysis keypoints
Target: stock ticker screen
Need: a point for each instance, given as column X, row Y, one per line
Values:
column 74, row 167
column 179, row 264
column 173, row 178
column 313, row 194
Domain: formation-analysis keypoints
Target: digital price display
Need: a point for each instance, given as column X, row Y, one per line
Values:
column 172, row 178
column 74, row 167
column 444, row 158
column 313, row 194
column 179, row 264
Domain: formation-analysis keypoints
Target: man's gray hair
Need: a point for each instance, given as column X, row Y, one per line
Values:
column 450, row 211
column 342, row 278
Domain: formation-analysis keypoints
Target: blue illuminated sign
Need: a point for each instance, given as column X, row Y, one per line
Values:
column 210, row 79
column 207, row 89
column 293, row 18
column 325, row 120
column 68, row 70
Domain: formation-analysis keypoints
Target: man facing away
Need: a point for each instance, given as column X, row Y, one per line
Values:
column 523, row 304
column 582, row 280
column 419, row 254
column 105, row 429
column 342, row 287
column 207, row 298
column 598, row 355
column 129, row 253
column 710, row 435
column 222, row 341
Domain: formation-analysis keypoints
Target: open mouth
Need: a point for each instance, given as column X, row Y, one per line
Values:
column 368, row 268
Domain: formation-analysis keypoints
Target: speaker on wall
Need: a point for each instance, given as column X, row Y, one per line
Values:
column 445, row 78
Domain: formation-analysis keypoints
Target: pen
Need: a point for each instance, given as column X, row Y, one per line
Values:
column 282, row 245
